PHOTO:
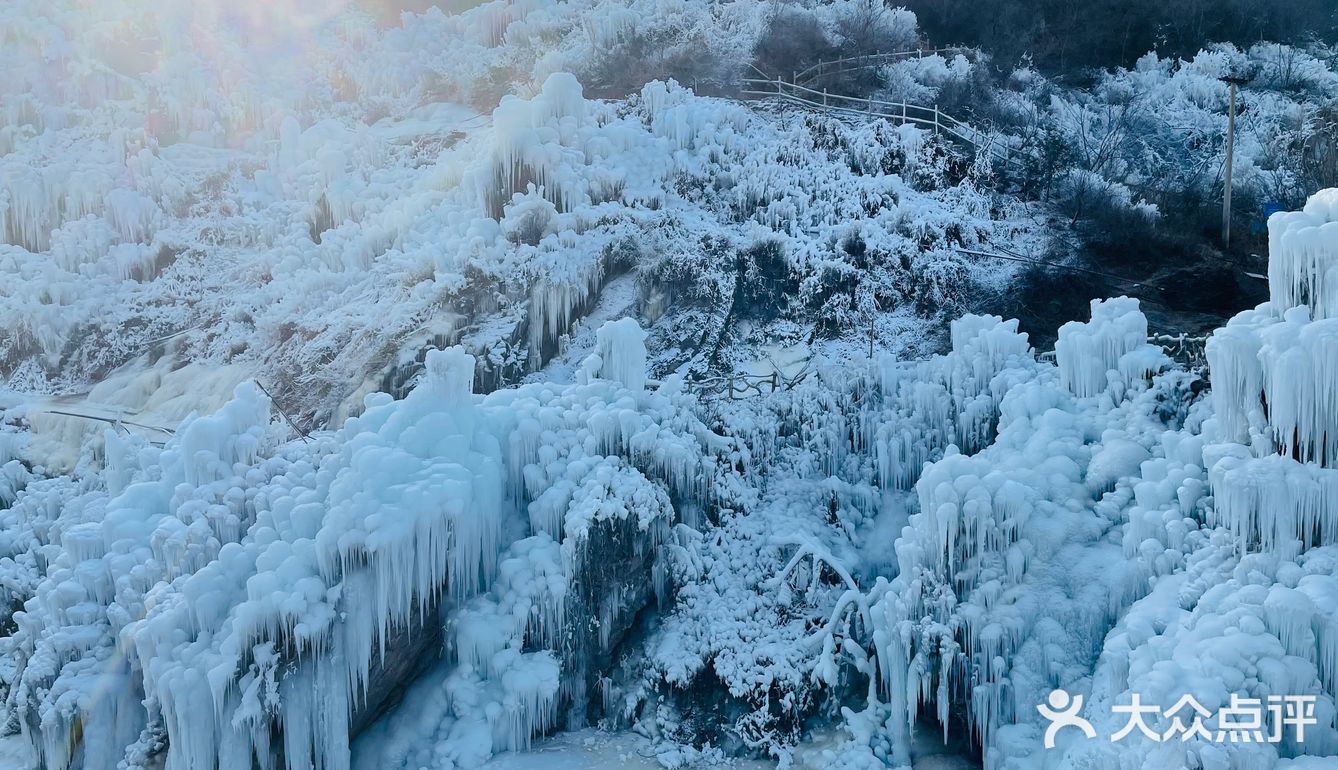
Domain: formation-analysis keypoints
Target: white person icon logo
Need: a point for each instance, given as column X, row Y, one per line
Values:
column 1063, row 712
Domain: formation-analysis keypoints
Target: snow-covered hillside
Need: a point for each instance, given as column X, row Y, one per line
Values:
column 181, row 224
column 377, row 397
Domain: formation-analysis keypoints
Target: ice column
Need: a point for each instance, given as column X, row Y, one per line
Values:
column 1087, row 353
column 622, row 348
column 1275, row 384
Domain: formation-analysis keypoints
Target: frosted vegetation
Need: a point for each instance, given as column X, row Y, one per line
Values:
column 322, row 243
column 361, row 397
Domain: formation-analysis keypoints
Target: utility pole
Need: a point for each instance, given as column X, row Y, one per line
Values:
column 1233, row 83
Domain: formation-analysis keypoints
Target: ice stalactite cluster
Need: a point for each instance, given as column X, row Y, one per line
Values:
column 533, row 135
column 1119, row 535
column 1242, row 592
column 954, row 400
column 250, row 597
column 1273, row 501
column 971, row 620
column 1114, row 342
column 1251, row 624
column 1274, row 375
column 311, row 200
column 73, row 667
column 778, row 601
column 622, row 353
column 1303, row 256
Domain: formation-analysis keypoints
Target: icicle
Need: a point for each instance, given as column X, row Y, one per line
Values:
column 1087, row 353
column 1303, row 256
column 1300, row 365
column 622, row 349
column 357, row 537
column 131, row 214
column 1275, row 499
column 1237, row 374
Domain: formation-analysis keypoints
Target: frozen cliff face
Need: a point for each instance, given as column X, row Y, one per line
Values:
column 779, row 603
column 944, row 540
column 260, row 600
column 884, row 546
column 1104, row 524
column 1250, row 615
column 972, row 620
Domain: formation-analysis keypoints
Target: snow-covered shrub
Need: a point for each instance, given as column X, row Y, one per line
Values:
column 793, row 40
column 958, row 83
column 1158, row 127
column 799, row 35
column 685, row 41
column 1096, row 525
column 1068, row 40
column 1103, row 206
column 942, row 537
column 765, row 280
column 776, row 602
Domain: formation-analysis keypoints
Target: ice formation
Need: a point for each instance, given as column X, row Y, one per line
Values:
column 1095, row 525
column 1114, row 343
column 323, row 202
column 1303, row 257
column 1194, row 556
column 279, row 579
column 1274, row 385
column 450, row 574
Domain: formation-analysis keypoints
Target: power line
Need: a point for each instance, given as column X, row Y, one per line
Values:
column 1043, row 263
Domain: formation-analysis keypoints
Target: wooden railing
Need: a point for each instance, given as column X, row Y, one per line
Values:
column 846, row 64
column 899, row 112
column 1183, row 348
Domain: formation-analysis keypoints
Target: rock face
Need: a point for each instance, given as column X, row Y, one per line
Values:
column 414, row 649
column 608, row 592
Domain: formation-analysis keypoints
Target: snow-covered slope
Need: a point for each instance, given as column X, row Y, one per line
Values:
column 448, row 575
column 314, row 206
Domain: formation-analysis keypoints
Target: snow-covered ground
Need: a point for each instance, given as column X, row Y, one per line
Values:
column 594, row 750
column 315, row 206
column 16, row 753
column 590, row 749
